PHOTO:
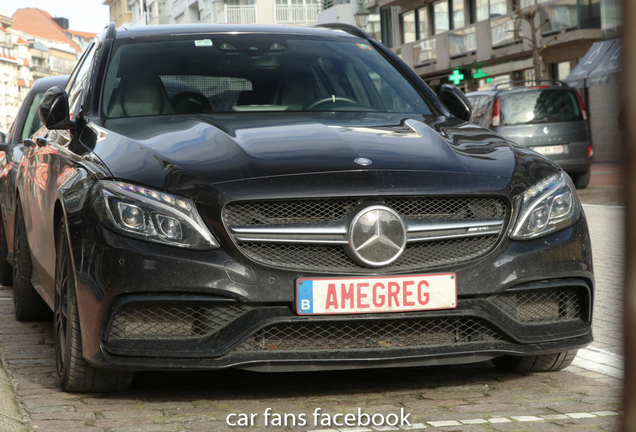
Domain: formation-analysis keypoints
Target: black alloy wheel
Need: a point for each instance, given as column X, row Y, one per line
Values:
column 27, row 303
column 75, row 373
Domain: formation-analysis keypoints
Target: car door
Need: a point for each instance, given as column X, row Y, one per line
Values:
column 26, row 122
column 45, row 165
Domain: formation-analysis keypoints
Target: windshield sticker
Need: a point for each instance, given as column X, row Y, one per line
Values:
column 364, row 47
column 203, row 43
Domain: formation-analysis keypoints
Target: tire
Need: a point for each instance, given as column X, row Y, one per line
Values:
column 582, row 179
column 27, row 303
column 538, row 363
column 75, row 374
column 6, row 270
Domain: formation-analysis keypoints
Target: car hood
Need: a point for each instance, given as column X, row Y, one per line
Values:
column 185, row 153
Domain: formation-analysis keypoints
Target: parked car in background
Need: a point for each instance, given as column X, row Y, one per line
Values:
column 288, row 198
column 550, row 119
column 23, row 127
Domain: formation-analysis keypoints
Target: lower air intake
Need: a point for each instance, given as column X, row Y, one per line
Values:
column 171, row 320
column 369, row 335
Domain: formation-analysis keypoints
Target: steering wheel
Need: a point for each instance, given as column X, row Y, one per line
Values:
column 330, row 99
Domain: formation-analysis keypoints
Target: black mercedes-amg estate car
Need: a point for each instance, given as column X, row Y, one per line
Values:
column 286, row 198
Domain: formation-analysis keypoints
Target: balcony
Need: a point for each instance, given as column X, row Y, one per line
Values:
column 462, row 41
column 326, row 4
column 502, row 31
column 425, row 51
column 295, row 14
column 240, row 14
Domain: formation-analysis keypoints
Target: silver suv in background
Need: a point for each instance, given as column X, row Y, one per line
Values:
column 550, row 119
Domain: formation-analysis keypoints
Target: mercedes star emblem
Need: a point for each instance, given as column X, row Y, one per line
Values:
column 363, row 161
column 377, row 236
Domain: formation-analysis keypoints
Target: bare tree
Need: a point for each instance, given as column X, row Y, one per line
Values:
column 535, row 39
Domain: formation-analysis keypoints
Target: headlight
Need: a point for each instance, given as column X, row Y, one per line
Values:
column 550, row 205
column 151, row 215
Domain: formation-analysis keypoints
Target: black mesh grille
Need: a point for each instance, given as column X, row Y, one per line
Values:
column 171, row 320
column 369, row 335
column 279, row 212
column 542, row 306
column 447, row 208
column 333, row 258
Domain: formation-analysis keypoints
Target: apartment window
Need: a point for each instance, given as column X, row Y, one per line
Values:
column 162, row 9
column 409, row 31
column 526, row 3
column 487, row 9
column 422, row 22
column 127, row 6
column 498, row 8
column 459, row 19
column 562, row 70
column 611, row 14
column 441, row 16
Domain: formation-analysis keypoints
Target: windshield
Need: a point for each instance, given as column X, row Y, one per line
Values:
column 219, row 73
column 539, row 106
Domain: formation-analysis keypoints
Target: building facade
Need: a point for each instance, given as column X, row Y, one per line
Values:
column 120, row 12
column 33, row 45
column 293, row 12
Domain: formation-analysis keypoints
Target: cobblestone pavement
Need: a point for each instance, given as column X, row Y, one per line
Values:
column 608, row 245
column 584, row 397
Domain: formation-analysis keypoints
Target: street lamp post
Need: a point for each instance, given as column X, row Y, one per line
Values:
column 362, row 15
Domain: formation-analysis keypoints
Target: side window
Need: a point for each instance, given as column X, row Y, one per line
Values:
column 32, row 122
column 78, row 81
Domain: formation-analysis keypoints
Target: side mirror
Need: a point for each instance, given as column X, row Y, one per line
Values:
column 4, row 147
column 456, row 101
column 53, row 110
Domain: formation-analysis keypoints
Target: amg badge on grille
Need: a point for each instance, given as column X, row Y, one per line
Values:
column 377, row 236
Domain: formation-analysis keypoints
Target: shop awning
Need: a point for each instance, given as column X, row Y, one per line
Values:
column 609, row 68
column 598, row 66
column 588, row 63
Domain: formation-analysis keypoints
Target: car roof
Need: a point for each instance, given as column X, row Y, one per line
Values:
column 519, row 90
column 51, row 81
column 193, row 29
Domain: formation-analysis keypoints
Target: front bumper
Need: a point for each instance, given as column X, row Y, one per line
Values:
column 114, row 271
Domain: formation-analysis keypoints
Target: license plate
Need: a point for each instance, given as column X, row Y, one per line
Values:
column 326, row 296
column 550, row 150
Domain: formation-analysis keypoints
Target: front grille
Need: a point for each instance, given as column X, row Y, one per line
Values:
column 282, row 212
column 369, row 335
column 333, row 258
column 542, row 306
column 161, row 320
column 447, row 208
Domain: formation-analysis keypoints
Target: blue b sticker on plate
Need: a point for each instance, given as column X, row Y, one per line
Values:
column 305, row 297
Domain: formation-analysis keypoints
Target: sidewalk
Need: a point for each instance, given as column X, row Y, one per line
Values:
column 606, row 185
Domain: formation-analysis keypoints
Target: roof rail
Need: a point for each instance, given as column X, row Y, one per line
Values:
column 356, row 31
column 525, row 83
